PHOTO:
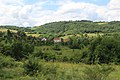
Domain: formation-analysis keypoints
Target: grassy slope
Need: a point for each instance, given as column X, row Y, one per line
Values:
column 68, row 70
column 37, row 35
column 64, row 50
column 4, row 30
column 76, row 69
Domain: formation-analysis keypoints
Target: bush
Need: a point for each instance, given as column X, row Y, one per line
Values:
column 6, row 61
column 21, row 50
column 57, row 47
column 32, row 66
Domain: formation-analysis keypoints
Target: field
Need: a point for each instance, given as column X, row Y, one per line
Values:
column 63, row 71
column 76, row 70
column 102, row 23
column 66, row 36
column 4, row 30
column 73, row 71
column 34, row 35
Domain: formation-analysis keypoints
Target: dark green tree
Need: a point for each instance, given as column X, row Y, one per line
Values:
column 21, row 50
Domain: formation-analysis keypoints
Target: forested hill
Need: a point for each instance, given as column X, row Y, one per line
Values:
column 75, row 27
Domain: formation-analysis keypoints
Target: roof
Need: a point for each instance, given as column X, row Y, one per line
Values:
column 66, row 40
column 57, row 38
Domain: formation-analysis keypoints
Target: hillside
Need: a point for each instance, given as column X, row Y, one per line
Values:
column 74, row 57
column 76, row 27
column 70, row 27
column 15, row 28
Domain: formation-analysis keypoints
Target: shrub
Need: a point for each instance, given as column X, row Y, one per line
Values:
column 57, row 47
column 32, row 66
column 6, row 61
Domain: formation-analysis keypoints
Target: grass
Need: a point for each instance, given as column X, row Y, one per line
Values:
column 4, row 30
column 76, row 70
column 115, row 75
column 88, row 34
column 67, row 71
column 102, row 23
column 64, row 50
column 34, row 35
column 94, row 34
column 67, row 36
column 72, row 69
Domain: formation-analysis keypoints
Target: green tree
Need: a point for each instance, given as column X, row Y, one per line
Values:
column 32, row 66
column 21, row 50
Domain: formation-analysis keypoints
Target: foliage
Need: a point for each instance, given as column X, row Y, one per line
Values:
column 6, row 61
column 98, row 72
column 21, row 50
column 105, row 50
column 32, row 66
column 77, row 27
column 24, row 57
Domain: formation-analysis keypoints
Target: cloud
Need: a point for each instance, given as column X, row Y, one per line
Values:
column 17, row 12
column 114, row 4
column 113, row 12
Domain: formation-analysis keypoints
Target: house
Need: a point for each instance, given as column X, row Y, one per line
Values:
column 44, row 39
column 57, row 40
column 66, row 40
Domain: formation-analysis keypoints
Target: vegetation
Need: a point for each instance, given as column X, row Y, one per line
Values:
column 78, row 27
column 90, row 52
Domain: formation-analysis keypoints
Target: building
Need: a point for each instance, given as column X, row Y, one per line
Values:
column 44, row 39
column 66, row 40
column 57, row 40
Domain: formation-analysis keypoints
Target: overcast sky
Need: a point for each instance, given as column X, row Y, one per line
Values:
column 37, row 12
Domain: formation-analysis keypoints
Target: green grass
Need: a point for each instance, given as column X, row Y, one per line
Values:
column 67, row 36
column 115, row 75
column 34, row 35
column 65, row 71
column 102, row 23
column 76, row 70
column 88, row 34
column 64, row 50
column 5, row 30
column 72, row 69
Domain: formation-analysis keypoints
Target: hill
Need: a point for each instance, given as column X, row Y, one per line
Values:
column 77, row 27
column 69, row 27
column 15, row 28
column 80, row 57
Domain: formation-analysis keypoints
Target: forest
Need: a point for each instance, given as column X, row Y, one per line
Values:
column 77, row 27
column 66, row 50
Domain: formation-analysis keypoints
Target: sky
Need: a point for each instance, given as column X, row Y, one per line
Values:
column 29, row 13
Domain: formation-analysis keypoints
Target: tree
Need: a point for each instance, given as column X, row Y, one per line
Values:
column 21, row 50
column 105, row 50
column 32, row 66
column 9, row 34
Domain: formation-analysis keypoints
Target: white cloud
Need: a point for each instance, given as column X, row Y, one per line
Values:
column 114, row 4
column 113, row 12
column 16, row 12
